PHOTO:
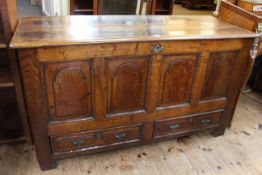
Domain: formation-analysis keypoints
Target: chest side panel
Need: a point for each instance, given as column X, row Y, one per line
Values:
column 219, row 71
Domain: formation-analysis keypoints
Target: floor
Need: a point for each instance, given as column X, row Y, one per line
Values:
column 239, row 152
column 179, row 10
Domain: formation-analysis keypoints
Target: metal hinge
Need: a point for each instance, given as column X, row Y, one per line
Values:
column 259, row 28
column 253, row 50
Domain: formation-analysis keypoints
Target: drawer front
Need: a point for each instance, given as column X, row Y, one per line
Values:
column 94, row 139
column 178, row 125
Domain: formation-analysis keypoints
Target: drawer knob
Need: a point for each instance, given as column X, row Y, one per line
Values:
column 78, row 142
column 120, row 135
column 190, row 119
column 205, row 122
column 175, row 126
column 98, row 135
column 157, row 49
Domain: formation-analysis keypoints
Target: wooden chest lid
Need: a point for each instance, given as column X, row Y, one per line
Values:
column 73, row 30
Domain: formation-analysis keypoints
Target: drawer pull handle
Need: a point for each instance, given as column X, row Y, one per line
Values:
column 175, row 126
column 190, row 119
column 157, row 49
column 205, row 122
column 120, row 135
column 78, row 142
column 98, row 135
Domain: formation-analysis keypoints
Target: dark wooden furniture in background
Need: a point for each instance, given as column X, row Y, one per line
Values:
column 102, row 7
column 13, row 117
column 84, row 7
column 120, row 7
column 238, row 16
column 199, row 4
column 178, row 1
column 160, row 7
column 126, row 84
column 257, row 84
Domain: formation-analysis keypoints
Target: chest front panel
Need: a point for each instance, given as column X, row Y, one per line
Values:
column 68, row 89
column 126, row 81
column 136, row 86
column 177, row 77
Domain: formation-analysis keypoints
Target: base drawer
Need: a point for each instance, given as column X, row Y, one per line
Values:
column 95, row 139
column 188, row 123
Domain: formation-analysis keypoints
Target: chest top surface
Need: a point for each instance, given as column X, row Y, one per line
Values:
column 74, row 30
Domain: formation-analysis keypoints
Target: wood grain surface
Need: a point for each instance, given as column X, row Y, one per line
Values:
column 57, row 31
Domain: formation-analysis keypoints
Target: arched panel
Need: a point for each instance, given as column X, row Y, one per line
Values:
column 127, row 84
column 69, row 90
column 177, row 79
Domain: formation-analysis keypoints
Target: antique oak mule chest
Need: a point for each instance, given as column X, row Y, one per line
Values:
column 99, row 83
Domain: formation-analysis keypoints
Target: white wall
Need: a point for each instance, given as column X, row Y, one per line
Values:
column 62, row 7
column 56, row 7
column 35, row 2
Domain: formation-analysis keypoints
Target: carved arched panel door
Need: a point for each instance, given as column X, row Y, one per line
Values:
column 68, row 88
column 126, row 84
column 177, row 78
